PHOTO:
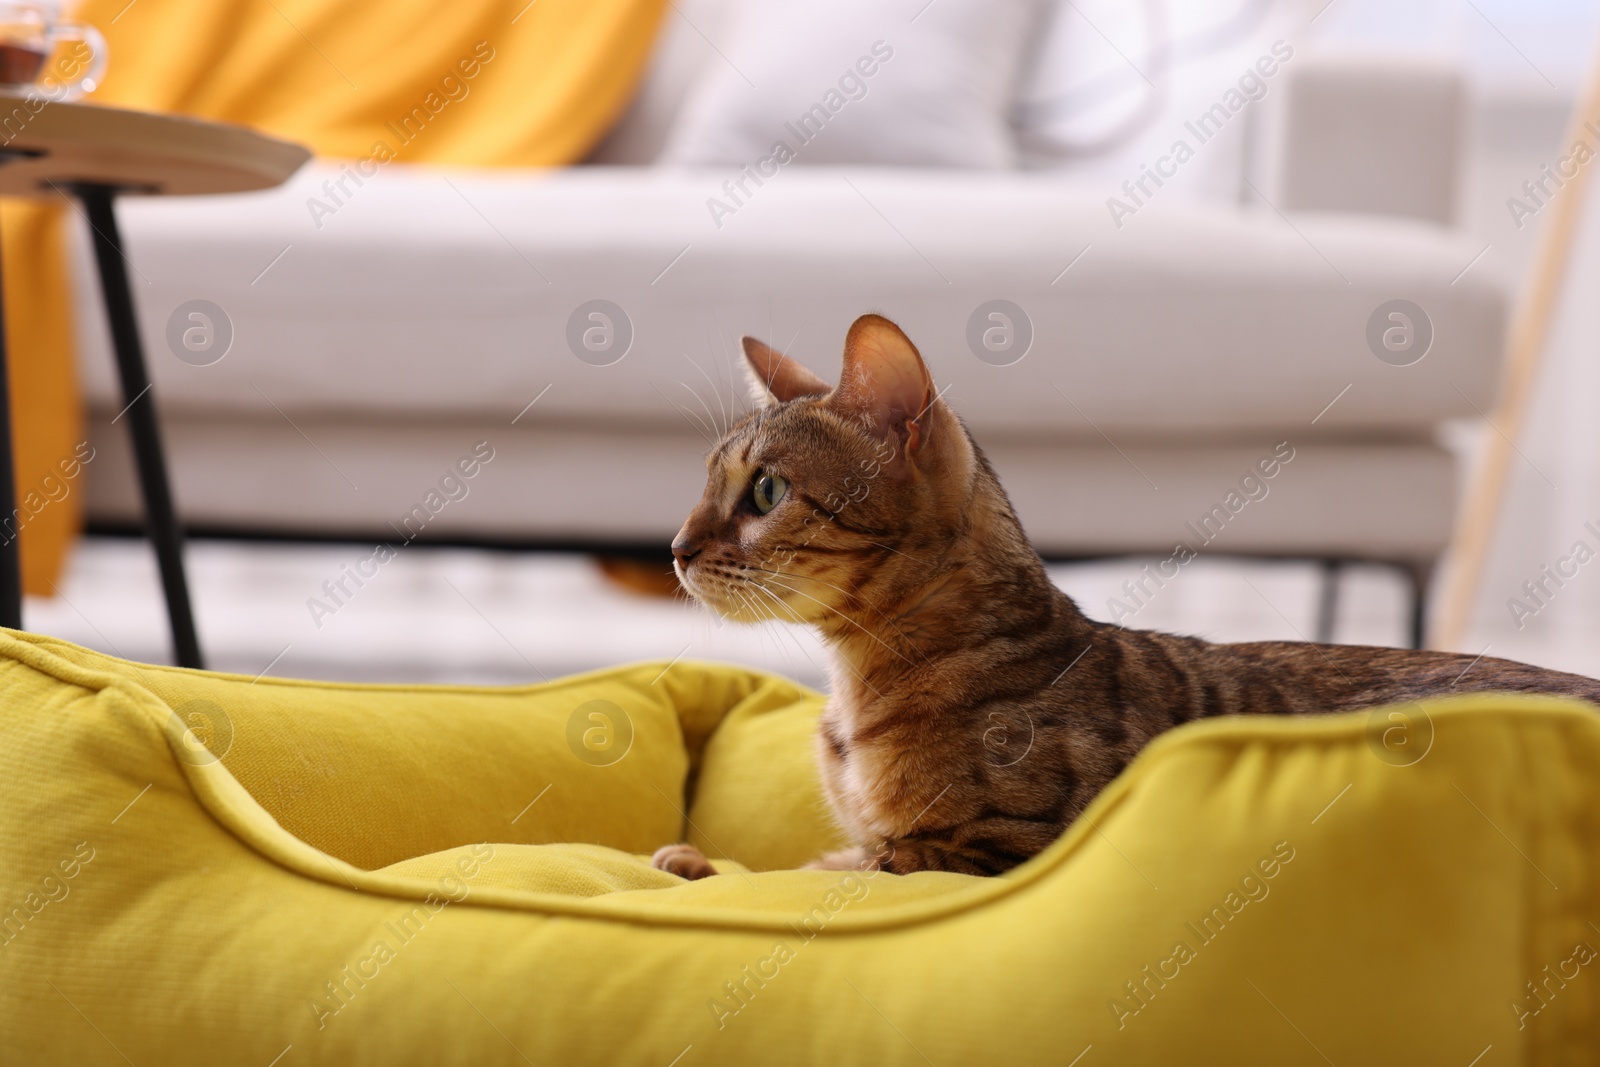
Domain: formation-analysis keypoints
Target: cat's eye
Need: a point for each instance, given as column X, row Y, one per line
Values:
column 766, row 490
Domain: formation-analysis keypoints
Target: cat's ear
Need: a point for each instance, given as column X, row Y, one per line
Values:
column 886, row 384
column 774, row 377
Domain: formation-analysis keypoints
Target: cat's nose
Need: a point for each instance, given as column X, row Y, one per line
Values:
column 685, row 548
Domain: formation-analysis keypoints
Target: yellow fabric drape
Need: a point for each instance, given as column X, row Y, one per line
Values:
column 333, row 73
column 468, row 82
column 47, row 421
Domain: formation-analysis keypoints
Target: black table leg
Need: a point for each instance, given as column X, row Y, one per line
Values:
column 140, row 412
column 1421, row 575
column 10, row 565
column 1328, row 602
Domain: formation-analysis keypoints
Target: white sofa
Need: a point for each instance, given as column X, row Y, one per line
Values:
column 1177, row 351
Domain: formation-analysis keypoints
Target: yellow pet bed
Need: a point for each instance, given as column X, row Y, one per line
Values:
column 199, row 868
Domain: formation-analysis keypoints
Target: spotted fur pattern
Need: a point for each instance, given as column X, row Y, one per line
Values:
column 975, row 710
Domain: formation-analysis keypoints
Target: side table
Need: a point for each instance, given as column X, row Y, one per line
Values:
column 95, row 154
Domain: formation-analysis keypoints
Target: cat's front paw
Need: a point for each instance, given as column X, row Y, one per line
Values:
column 685, row 861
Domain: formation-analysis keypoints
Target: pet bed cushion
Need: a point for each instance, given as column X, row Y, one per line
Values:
column 200, row 868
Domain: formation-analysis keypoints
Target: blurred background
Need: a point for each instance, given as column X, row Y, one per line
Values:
column 1153, row 250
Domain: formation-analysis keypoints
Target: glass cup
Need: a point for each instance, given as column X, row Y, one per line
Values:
column 45, row 56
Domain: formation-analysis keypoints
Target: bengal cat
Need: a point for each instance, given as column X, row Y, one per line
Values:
column 869, row 512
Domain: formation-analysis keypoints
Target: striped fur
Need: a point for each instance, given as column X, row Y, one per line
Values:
column 975, row 709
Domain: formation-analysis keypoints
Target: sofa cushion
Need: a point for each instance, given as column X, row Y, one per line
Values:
column 557, row 483
column 1379, row 135
column 434, row 294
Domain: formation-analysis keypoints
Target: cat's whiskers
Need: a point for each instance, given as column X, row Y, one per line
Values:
column 795, row 576
column 754, row 584
column 716, row 390
column 746, row 605
column 842, row 615
column 730, row 359
column 720, row 594
column 780, row 627
column 732, row 591
column 896, row 551
column 785, row 612
column 711, row 416
column 774, row 626
column 769, row 626
column 888, row 620
column 694, row 420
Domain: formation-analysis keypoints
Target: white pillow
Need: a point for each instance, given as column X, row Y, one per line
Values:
column 1091, row 116
column 907, row 82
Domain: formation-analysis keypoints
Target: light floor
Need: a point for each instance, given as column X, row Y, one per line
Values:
column 457, row 615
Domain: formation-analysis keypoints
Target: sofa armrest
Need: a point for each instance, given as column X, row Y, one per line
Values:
column 1375, row 135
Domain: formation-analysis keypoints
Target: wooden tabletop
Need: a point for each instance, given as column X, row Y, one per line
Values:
column 141, row 151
